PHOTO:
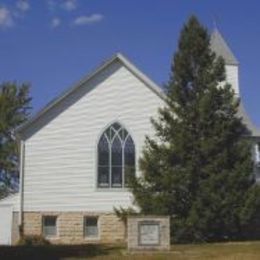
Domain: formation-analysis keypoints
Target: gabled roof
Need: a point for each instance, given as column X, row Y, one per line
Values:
column 148, row 82
column 12, row 199
column 221, row 48
column 117, row 57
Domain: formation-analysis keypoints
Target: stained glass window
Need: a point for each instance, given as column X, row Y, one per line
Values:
column 129, row 155
column 103, row 162
column 116, row 157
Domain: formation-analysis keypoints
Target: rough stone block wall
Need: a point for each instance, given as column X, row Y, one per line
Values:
column 70, row 227
column 111, row 226
column 133, row 224
column 32, row 223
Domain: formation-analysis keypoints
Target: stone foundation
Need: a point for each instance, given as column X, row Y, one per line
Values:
column 70, row 227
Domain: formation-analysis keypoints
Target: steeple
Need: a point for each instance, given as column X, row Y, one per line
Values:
column 221, row 48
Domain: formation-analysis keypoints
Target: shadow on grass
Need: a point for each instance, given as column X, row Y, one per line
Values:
column 54, row 252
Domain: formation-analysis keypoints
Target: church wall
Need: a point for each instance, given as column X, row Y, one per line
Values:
column 60, row 167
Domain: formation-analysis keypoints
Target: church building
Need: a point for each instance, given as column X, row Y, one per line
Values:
column 77, row 153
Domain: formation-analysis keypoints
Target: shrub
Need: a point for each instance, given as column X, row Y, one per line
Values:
column 33, row 240
column 123, row 213
column 250, row 214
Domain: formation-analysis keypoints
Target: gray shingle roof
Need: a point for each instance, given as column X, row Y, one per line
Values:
column 253, row 130
column 220, row 47
column 242, row 113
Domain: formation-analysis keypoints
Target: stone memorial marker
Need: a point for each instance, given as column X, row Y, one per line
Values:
column 148, row 233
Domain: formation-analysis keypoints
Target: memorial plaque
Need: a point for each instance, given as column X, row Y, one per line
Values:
column 149, row 233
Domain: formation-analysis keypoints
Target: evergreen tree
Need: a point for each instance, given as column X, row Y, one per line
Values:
column 198, row 167
column 14, row 110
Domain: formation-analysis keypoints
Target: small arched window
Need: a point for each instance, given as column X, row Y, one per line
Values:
column 116, row 157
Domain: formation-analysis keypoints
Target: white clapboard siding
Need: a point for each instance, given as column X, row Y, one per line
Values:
column 60, row 169
column 232, row 77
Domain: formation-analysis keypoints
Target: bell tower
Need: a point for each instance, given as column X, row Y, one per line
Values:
column 221, row 48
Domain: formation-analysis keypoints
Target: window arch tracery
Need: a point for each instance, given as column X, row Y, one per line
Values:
column 116, row 157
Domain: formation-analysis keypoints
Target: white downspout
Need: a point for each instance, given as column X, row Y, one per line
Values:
column 21, row 171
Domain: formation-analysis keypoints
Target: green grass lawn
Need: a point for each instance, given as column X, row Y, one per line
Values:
column 223, row 251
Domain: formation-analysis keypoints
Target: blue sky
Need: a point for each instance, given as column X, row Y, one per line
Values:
column 53, row 44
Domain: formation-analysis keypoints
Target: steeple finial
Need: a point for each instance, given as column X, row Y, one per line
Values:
column 215, row 22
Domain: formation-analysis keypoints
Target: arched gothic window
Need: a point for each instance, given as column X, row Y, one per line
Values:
column 116, row 157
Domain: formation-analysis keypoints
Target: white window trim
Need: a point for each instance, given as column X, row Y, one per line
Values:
column 91, row 238
column 57, row 236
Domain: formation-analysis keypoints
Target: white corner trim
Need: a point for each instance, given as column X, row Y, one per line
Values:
column 21, row 173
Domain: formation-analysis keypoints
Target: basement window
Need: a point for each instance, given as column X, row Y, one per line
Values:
column 49, row 226
column 91, row 227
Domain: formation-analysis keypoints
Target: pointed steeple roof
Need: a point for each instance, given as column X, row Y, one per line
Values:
column 221, row 48
column 252, row 129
